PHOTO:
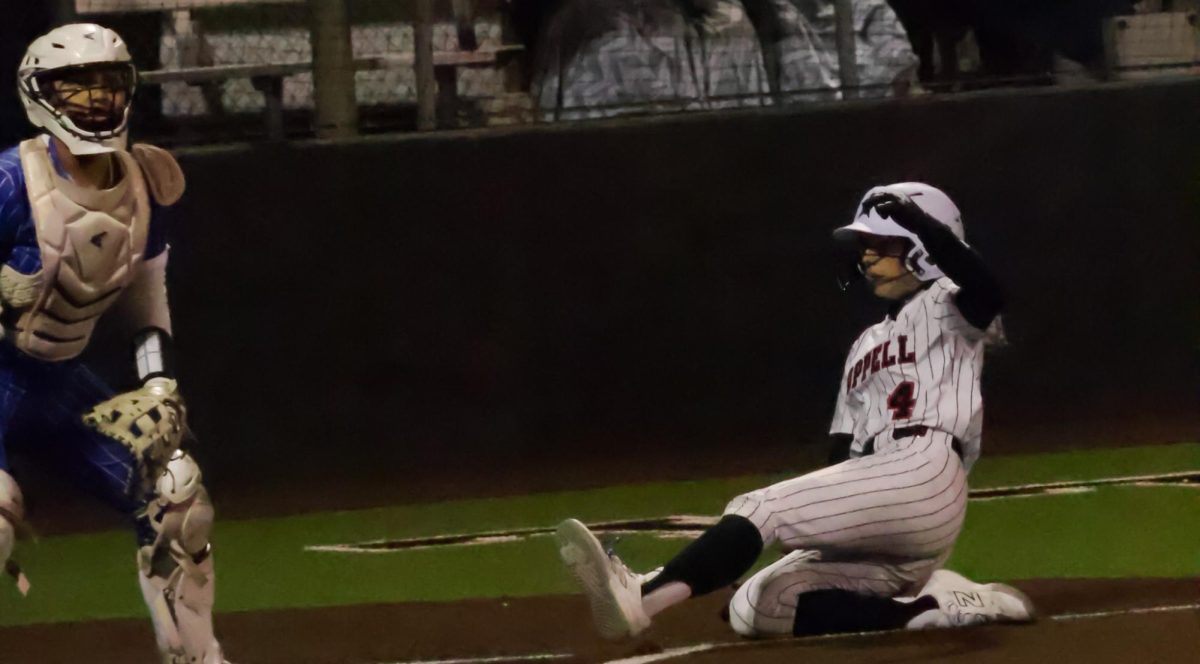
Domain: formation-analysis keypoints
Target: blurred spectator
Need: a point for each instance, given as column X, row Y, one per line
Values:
column 1019, row 41
column 604, row 57
column 595, row 58
column 808, row 51
column 935, row 28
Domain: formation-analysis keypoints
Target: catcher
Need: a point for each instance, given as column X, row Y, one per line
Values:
column 81, row 234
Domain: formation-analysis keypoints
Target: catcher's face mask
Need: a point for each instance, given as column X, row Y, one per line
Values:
column 95, row 98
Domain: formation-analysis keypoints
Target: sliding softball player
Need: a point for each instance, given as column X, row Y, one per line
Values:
column 864, row 539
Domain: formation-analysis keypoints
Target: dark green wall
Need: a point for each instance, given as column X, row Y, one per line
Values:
column 666, row 285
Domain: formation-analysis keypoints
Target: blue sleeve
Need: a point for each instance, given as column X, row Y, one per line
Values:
column 18, row 239
column 11, row 195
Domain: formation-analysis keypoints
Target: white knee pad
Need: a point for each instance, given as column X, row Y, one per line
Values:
column 185, row 512
column 741, row 610
column 12, row 514
column 8, row 538
column 176, row 571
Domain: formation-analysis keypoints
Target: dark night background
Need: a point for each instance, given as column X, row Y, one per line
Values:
column 660, row 294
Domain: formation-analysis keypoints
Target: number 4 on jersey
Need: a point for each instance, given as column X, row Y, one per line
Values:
column 902, row 400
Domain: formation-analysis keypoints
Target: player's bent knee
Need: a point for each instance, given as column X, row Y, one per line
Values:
column 751, row 621
column 741, row 612
column 752, row 614
column 177, row 577
column 8, row 538
column 748, row 506
column 186, row 512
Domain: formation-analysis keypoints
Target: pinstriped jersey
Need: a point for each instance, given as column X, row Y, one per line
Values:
column 920, row 368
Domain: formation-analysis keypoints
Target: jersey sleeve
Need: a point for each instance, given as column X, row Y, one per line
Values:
column 842, row 421
column 145, row 301
column 950, row 318
column 841, row 417
column 156, row 237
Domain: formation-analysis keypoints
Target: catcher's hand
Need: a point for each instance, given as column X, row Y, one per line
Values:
column 900, row 209
column 150, row 421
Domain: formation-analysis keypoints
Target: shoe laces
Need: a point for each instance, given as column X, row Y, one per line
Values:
column 622, row 570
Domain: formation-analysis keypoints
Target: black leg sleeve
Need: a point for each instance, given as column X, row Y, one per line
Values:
column 715, row 559
column 839, row 611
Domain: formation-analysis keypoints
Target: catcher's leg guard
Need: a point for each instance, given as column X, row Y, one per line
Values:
column 12, row 528
column 12, row 511
column 176, row 570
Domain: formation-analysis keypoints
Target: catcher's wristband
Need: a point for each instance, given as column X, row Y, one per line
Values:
column 153, row 354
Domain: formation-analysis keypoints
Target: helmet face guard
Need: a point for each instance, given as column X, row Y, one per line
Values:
column 77, row 82
column 90, row 101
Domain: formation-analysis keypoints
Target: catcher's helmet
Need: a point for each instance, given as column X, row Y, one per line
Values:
column 79, row 59
column 932, row 200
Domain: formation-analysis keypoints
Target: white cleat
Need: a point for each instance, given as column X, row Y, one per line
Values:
column 963, row 603
column 614, row 592
column 180, row 658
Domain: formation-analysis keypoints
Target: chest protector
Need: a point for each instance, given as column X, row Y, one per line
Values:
column 90, row 240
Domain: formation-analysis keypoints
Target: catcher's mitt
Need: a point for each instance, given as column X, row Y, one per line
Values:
column 150, row 421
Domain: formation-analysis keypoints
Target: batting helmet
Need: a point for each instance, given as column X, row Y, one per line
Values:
column 931, row 200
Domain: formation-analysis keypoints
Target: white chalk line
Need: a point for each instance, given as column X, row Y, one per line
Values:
column 671, row 653
column 497, row 659
column 1062, row 617
column 1049, row 491
column 613, row 528
column 683, row 651
column 373, row 547
column 1128, row 479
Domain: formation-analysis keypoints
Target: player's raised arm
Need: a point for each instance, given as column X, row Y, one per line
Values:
column 980, row 297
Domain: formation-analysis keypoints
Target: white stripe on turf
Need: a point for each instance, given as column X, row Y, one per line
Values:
column 672, row 653
column 498, row 659
column 1126, row 612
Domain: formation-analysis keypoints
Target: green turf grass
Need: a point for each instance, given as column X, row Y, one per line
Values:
column 1084, row 465
column 1112, row 532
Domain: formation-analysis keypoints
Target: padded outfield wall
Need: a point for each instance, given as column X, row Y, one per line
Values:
column 665, row 287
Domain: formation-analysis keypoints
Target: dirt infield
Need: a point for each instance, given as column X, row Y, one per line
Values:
column 557, row 629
